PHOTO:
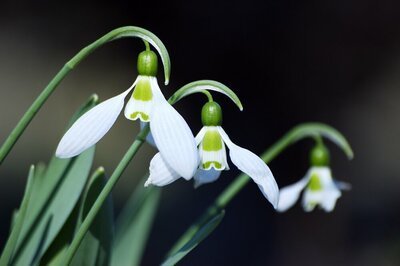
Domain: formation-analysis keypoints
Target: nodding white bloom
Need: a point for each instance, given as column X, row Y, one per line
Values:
column 211, row 141
column 171, row 134
column 318, row 185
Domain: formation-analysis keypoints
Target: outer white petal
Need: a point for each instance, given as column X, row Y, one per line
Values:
column 254, row 167
column 160, row 173
column 200, row 135
column 149, row 137
column 91, row 127
column 342, row 185
column 290, row 194
column 174, row 139
column 205, row 176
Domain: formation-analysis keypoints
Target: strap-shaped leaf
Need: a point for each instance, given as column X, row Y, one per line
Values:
column 198, row 235
column 134, row 225
column 19, row 219
column 95, row 249
column 205, row 85
column 54, row 196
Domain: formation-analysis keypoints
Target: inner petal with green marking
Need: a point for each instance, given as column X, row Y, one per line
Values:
column 212, row 141
column 212, row 151
column 315, row 183
column 142, row 90
column 141, row 102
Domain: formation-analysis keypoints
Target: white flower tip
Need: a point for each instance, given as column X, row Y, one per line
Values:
column 62, row 154
column 148, row 182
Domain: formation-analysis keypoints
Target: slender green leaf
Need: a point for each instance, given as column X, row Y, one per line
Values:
column 133, row 226
column 198, row 236
column 204, row 85
column 18, row 221
column 95, row 248
column 54, row 195
column 56, row 252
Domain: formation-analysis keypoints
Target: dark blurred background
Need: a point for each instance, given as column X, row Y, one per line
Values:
column 336, row 62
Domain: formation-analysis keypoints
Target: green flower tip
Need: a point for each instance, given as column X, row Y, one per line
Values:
column 100, row 170
column 147, row 63
column 94, row 98
column 319, row 156
column 211, row 114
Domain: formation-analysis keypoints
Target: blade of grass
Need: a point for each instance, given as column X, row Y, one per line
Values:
column 134, row 224
column 19, row 221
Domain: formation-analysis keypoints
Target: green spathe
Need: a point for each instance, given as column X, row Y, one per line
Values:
column 147, row 63
column 211, row 114
column 319, row 156
column 212, row 141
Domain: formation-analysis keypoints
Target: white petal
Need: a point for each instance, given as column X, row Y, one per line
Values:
column 329, row 199
column 205, row 176
column 174, row 139
column 254, row 167
column 342, row 185
column 91, row 127
column 200, row 135
column 149, row 137
column 290, row 194
column 325, row 197
column 160, row 173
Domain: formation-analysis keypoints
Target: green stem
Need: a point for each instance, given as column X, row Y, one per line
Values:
column 297, row 133
column 123, row 32
column 140, row 139
column 208, row 94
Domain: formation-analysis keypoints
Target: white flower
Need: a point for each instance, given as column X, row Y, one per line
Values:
column 319, row 189
column 211, row 141
column 172, row 135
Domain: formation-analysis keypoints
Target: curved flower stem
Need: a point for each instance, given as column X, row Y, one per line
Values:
column 123, row 32
column 314, row 130
column 140, row 139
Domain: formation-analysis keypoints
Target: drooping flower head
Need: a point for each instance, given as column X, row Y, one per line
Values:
column 211, row 141
column 318, row 185
column 171, row 133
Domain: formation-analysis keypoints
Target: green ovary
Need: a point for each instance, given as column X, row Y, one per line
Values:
column 212, row 141
column 143, row 115
column 216, row 165
column 143, row 91
column 315, row 183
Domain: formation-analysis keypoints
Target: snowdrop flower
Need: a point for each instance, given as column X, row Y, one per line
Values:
column 318, row 185
column 171, row 134
column 211, row 141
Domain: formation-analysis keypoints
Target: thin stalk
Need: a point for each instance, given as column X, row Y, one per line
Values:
column 140, row 139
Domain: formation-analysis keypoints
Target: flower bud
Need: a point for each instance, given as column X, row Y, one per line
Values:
column 211, row 114
column 147, row 63
column 319, row 156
